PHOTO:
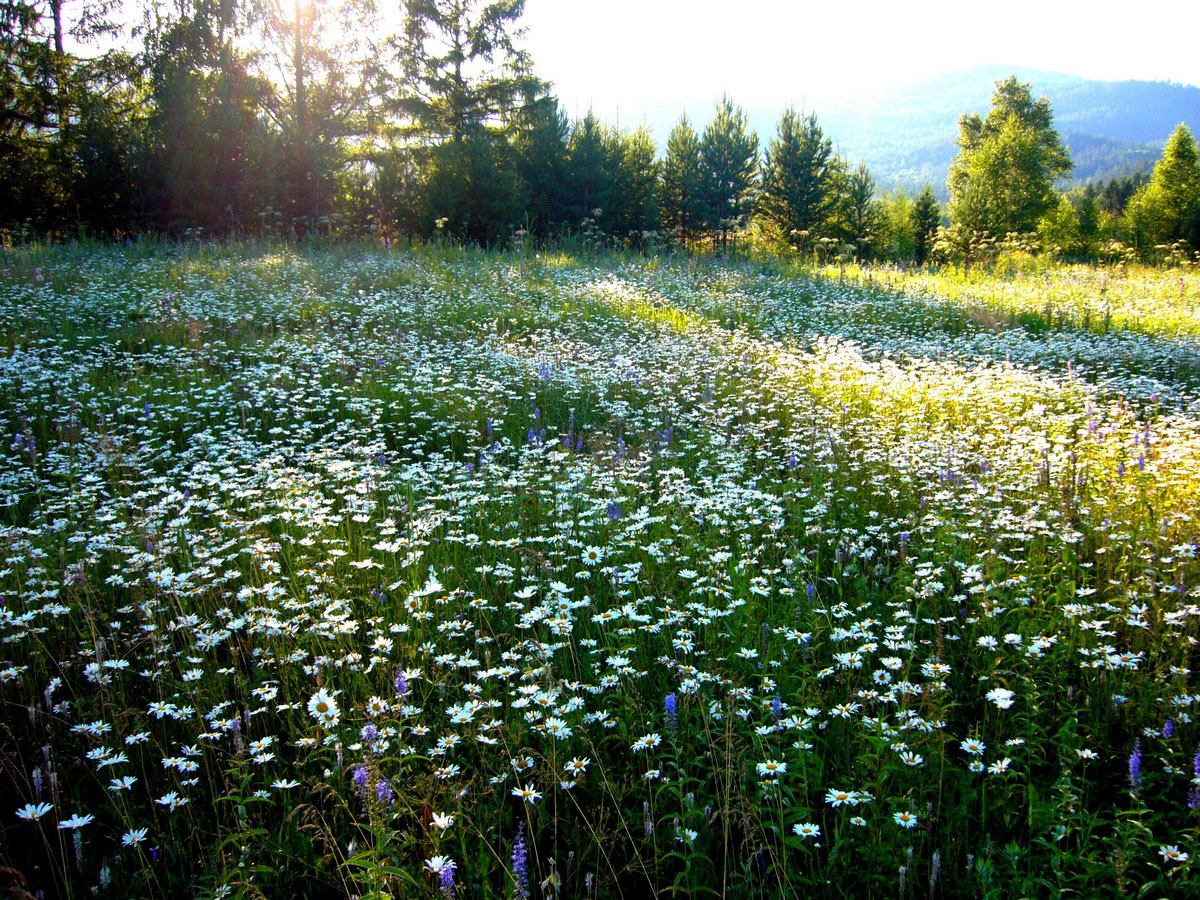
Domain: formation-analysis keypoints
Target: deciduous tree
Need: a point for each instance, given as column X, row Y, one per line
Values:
column 1002, row 180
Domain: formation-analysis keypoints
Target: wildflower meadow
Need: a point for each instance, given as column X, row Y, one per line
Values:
column 341, row 571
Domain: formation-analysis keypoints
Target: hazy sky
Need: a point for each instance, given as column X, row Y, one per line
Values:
column 630, row 55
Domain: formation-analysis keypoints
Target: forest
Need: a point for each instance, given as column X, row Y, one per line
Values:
column 216, row 118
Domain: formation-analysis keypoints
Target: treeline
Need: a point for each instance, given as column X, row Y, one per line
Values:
column 299, row 116
column 1002, row 192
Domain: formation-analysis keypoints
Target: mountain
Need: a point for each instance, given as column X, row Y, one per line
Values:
column 906, row 134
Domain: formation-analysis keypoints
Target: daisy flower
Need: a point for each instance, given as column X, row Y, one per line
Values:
column 76, row 821
column 807, row 830
column 1002, row 697
column 1171, row 853
column 999, row 767
column 646, row 743
column 973, row 747
column 323, row 708
column 438, row 864
column 837, row 798
column 577, row 766
column 31, row 812
column 528, row 794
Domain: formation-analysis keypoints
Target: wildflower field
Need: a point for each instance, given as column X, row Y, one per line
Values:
column 341, row 571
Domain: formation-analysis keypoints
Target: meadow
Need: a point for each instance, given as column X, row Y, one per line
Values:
column 340, row 571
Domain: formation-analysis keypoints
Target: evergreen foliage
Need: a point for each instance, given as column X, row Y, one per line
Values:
column 799, row 181
column 729, row 154
column 1167, row 209
column 681, row 188
column 272, row 116
column 926, row 217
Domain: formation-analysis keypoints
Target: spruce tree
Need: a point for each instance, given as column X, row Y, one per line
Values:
column 589, row 169
column 466, row 81
column 634, row 184
column 860, row 211
column 540, row 139
column 1168, row 208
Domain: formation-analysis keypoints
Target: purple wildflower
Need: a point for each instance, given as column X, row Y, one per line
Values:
column 1194, row 793
column 520, row 864
column 1135, row 767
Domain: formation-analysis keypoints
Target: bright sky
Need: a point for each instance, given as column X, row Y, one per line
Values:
column 630, row 55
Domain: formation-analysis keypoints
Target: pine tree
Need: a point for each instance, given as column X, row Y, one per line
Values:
column 729, row 153
column 540, row 140
column 463, row 66
column 798, row 179
column 860, row 211
column 798, row 193
column 634, row 183
column 589, row 168
column 926, row 217
column 206, row 132
column 681, row 191
column 71, row 124
column 318, row 97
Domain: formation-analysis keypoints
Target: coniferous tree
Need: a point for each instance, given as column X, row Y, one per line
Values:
column 633, row 184
column 681, row 190
column 729, row 153
column 540, row 141
column 71, row 131
column 1115, row 195
column 474, row 188
column 206, row 133
column 613, row 178
column 1087, row 207
column 798, row 179
column 1167, row 209
column 463, row 67
column 590, row 168
column 926, row 217
column 859, row 211
column 465, row 82
column 320, row 106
